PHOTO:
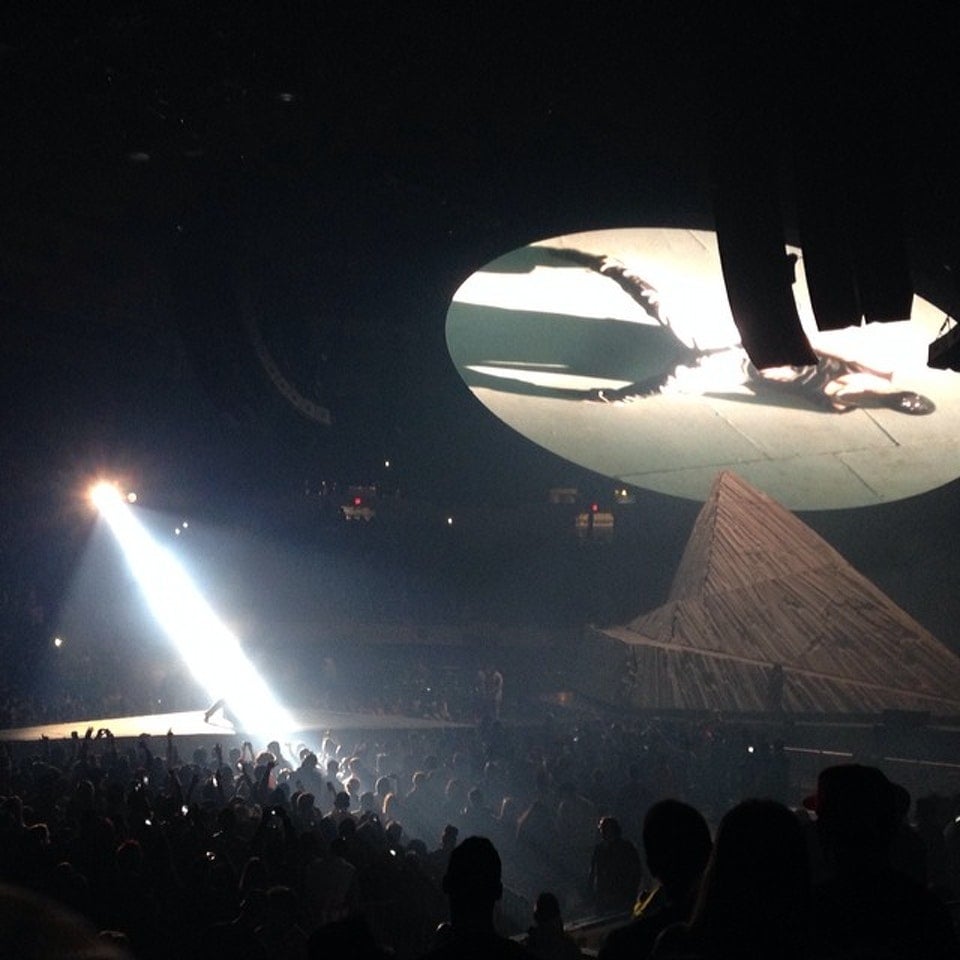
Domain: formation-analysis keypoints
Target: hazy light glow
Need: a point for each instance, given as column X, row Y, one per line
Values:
column 105, row 495
column 209, row 649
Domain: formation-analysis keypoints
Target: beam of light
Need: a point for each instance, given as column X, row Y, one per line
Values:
column 209, row 649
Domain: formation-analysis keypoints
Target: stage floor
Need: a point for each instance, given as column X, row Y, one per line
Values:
column 190, row 723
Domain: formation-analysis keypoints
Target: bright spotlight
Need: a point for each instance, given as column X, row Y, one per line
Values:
column 131, row 497
column 58, row 641
column 105, row 496
column 209, row 649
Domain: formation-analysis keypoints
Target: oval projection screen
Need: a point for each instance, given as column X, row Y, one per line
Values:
column 616, row 349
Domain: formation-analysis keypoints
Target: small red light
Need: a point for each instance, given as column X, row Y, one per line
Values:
column 594, row 507
column 357, row 501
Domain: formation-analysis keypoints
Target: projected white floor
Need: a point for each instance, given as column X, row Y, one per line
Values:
column 617, row 350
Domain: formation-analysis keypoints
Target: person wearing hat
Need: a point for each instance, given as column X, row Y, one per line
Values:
column 866, row 907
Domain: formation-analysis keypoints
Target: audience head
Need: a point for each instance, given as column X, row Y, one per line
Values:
column 858, row 809
column 473, row 873
column 755, row 895
column 448, row 838
column 676, row 841
column 610, row 828
column 283, row 907
column 546, row 909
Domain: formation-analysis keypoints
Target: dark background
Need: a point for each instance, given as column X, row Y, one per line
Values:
column 332, row 172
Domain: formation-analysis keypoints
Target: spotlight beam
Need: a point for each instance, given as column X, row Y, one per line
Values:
column 212, row 653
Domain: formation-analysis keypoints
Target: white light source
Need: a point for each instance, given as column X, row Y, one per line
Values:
column 105, row 495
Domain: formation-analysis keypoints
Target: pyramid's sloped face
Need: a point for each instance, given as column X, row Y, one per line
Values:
column 766, row 615
column 741, row 537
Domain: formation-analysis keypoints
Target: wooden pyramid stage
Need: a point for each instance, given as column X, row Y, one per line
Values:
column 765, row 616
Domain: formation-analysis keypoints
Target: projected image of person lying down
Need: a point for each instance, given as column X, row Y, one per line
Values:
column 617, row 350
column 836, row 383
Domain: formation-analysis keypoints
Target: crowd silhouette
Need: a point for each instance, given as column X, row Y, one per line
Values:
column 459, row 842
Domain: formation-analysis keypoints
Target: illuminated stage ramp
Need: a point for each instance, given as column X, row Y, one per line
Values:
column 648, row 384
column 310, row 724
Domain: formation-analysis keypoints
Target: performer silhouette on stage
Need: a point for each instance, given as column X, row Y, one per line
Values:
column 226, row 712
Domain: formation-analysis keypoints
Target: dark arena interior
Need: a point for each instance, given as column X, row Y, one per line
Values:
column 480, row 480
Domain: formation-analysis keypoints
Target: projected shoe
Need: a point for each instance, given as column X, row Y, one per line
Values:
column 913, row 403
column 903, row 401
